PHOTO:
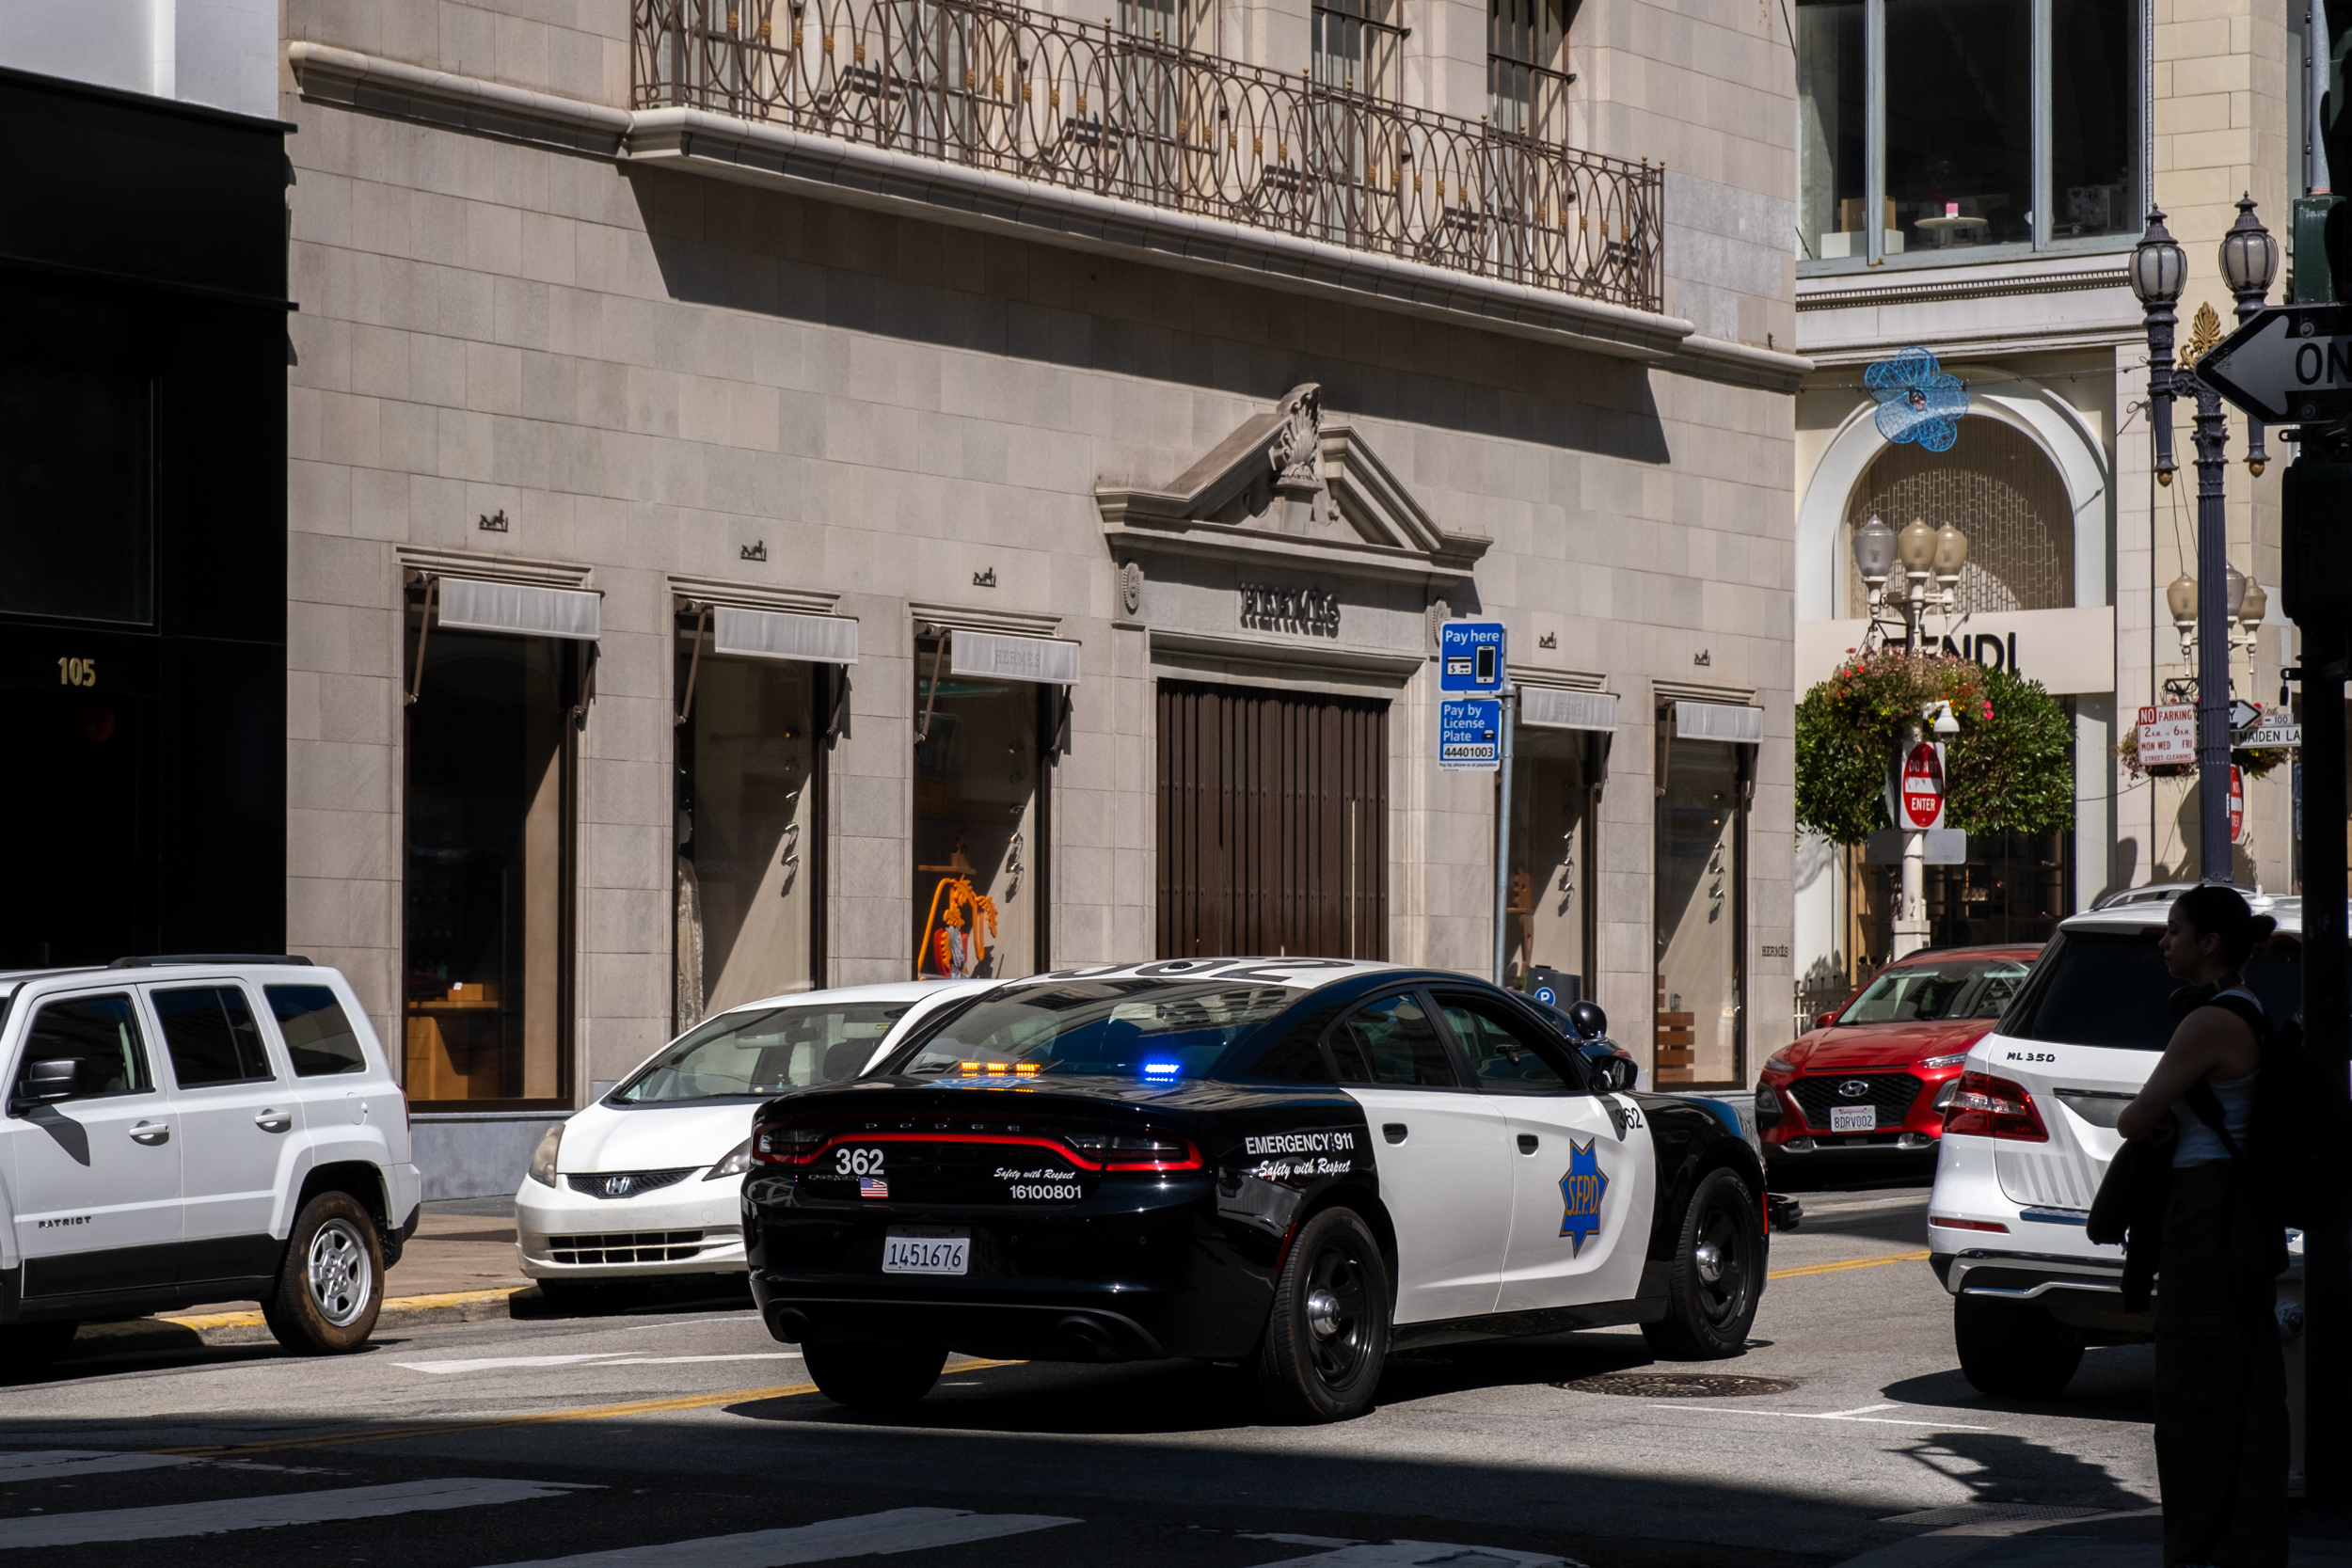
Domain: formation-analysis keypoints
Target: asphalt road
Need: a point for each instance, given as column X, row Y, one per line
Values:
column 526, row 1442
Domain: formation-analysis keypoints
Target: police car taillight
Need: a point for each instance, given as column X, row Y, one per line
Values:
column 1136, row 1151
column 1993, row 1107
column 786, row 1145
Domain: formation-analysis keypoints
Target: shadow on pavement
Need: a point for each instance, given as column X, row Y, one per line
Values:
column 2115, row 1383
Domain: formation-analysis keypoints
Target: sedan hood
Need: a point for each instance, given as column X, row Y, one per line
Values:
column 1863, row 1045
column 664, row 1137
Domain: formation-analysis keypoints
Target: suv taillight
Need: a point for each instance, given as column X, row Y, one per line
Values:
column 1993, row 1107
column 785, row 1146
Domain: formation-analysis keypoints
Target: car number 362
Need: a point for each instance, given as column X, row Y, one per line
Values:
column 857, row 1162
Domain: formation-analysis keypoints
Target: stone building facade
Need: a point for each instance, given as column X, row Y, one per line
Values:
column 750, row 530
column 2008, row 217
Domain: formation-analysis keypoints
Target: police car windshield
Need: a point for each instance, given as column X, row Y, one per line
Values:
column 1132, row 1028
column 2110, row 987
column 763, row 1050
column 1934, row 992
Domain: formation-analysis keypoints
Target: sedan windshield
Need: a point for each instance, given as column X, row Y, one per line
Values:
column 1940, row 992
column 764, row 1051
column 1127, row 1028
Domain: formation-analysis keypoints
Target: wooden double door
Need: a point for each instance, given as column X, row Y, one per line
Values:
column 1273, row 823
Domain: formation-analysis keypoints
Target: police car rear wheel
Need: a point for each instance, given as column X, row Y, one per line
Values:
column 873, row 1377
column 1328, row 1332
column 1718, row 1265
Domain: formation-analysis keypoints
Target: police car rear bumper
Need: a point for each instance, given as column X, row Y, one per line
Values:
column 1068, row 1330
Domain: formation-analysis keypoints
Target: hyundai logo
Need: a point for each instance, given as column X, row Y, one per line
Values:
column 1854, row 1089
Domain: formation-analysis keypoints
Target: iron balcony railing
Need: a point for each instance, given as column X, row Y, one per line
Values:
column 1089, row 108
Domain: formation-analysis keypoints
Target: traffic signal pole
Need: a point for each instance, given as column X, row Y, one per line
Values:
column 2317, row 520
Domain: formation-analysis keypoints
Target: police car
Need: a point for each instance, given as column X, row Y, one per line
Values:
column 1298, row 1164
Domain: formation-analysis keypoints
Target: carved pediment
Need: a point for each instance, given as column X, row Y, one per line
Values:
column 1287, row 483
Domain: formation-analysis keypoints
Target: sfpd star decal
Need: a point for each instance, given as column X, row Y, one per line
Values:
column 1580, row 1191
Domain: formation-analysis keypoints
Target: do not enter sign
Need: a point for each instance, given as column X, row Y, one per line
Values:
column 1920, row 790
column 2238, row 806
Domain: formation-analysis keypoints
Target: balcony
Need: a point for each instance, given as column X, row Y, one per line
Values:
column 1089, row 108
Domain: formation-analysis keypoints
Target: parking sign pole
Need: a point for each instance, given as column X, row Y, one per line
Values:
column 1502, row 839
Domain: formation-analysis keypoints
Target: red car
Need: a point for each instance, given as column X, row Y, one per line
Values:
column 1874, row 1076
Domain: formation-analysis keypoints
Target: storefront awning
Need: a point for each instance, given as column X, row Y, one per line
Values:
column 1557, row 708
column 1005, row 657
column 1719, row 721
column 519, row 610
column 774, row 634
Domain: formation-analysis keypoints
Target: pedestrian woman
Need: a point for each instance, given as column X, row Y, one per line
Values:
column 2220, row 1389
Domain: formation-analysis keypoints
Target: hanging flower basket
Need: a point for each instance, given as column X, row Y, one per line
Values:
column 2009, row 770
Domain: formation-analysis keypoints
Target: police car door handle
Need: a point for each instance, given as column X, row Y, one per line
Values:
column 1392, row 1131
column 274, row 1121
column 149, row 1133
column 1529, row 1143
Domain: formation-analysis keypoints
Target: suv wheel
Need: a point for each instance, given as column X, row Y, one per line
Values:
column 28, row 1347
column 331, row 1285
column 2013, row 1348
column 873, row 1377
column 1327, row 1335
column 1718, row 1274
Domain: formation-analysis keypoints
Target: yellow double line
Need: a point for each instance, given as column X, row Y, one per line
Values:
column 1845, row 1263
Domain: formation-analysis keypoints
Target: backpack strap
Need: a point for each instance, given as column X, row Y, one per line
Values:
column 2207, row 1105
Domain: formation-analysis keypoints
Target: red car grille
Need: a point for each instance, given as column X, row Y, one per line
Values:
column 1893, row 1093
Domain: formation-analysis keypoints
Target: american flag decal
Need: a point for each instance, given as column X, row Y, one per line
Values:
column 872, row 1186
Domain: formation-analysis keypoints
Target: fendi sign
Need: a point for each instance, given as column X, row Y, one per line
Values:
column 1309, row 611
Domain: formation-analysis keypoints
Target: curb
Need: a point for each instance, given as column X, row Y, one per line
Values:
column 196, row 1330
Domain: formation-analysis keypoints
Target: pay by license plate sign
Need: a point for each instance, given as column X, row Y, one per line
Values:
column 925, row 1249
column 1854, row 1119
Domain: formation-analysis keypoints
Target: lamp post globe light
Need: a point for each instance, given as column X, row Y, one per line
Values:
column 2203, row 606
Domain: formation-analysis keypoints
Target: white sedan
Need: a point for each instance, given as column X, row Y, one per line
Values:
column 645, row 1182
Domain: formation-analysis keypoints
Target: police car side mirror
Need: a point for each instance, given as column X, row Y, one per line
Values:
column 56, row 1078
column 1620, row 1073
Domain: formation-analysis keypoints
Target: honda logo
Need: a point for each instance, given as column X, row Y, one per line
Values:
column 1854, row 1089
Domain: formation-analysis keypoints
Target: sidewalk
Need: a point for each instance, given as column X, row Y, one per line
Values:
column 1995, row 1535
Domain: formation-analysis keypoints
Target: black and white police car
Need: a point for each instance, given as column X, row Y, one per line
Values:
column 1296, row 1164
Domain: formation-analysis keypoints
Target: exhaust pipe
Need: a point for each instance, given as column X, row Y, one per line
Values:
column 789, row 1325
column 1086, row 1337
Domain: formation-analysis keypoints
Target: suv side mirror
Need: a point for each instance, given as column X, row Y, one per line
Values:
column 1827, row 1021
column 56, row 1078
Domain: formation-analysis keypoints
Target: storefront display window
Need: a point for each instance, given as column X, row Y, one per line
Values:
column 747, row 891
column 1548, row 903
column 487, row 874
column 1946, row 129
column 1701, row 913
column 979, row 820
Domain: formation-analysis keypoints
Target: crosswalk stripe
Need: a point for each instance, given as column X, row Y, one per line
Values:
column 1425, row 1554
column 50, row 1464
column 293, row 1508
column 900, row 1529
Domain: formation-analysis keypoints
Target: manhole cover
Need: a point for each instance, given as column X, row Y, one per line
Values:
column 1679, row 1386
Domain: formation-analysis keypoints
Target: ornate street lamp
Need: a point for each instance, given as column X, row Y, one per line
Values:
column 2249, row 262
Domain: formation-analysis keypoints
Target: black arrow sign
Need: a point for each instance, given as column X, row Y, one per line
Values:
column 2290, row 365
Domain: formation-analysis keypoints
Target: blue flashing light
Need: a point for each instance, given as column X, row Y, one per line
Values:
column 1157, row 1069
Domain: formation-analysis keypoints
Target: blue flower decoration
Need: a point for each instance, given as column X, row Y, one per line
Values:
column 1918, row 399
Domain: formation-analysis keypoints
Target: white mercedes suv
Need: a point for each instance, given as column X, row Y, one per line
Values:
column 2030, row 1131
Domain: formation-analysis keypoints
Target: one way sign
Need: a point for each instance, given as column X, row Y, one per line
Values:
column 2290, row 365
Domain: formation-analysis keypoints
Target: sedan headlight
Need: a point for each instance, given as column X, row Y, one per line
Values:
column 1953, row 1060
column 543, row 1158
column 738, row 1160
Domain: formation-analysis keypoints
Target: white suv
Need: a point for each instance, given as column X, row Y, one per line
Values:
column 197, row 1128
column 2031, row 1128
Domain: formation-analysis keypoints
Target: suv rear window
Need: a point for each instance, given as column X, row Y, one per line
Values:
column 2110, row 988
column 319, row 1038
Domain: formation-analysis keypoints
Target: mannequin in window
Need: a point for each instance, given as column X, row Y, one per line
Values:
column 1519, row 906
